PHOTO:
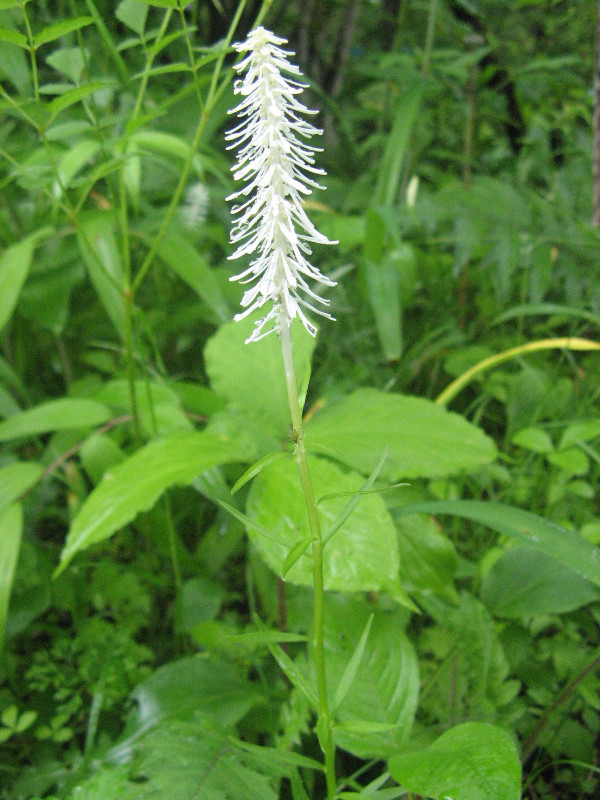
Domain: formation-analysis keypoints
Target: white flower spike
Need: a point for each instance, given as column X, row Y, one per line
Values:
column 274, row 160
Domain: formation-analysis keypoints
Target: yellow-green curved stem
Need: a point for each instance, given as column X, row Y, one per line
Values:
column 565, row 343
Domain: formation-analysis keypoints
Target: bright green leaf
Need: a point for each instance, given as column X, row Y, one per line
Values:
column 62, row 28
column 258, row 467
column 423, row 439
column 16, row 479
column 133, row 14
column 535, row 439
column 55, row 415
column 580, row 431
column 72, row 162
column 68, row 60
column 349, row 673
column 11, row 36
column 251, row 376
column 363, row 553
column 74, row 96
column 15, row 263
column 137, row 483
column 473, row 761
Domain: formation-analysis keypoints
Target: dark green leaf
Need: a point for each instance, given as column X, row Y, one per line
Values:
column 567, row 547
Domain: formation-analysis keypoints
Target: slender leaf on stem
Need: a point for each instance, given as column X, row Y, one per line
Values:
column 349, row 674
column 304, row 386
column 290, row 669
column 351, row 505
column 15, row 263
column 16, row 479
column 295, row 553
column 266, row 637
column 256, row 468
column 13, row 37
column 298, row 790
column 245, row 520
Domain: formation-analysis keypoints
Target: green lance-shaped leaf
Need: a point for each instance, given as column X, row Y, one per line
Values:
column 473, row 761
column 352, row 668
column 15, row 479
column 101, row 255
column 58, row 29
column 135, row 484
column 55, row 415
column 289, row 668
column 11, row 528
column 185, row 260
column 15, row 263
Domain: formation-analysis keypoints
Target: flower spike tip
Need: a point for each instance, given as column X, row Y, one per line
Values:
column 276, row 164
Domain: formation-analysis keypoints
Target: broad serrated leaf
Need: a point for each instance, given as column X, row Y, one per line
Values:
column 473, row 761
column 137, row 483
column 383, row 694
column 362, row 555
column 251, row 376
column 200, row 683
column 422, row 439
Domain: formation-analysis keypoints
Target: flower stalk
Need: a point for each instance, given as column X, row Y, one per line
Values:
column 278, row 168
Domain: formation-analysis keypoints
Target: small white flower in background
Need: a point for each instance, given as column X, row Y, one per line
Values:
column 411, row 198
column 195, row 207
column 274, row 160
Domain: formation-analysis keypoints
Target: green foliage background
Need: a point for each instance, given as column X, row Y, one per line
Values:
column 151, row 646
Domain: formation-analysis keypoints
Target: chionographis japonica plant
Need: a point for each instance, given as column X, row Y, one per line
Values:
column 275, row 162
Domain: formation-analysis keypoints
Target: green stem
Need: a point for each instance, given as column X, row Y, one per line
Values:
column 433, row 4
column 324, row 723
